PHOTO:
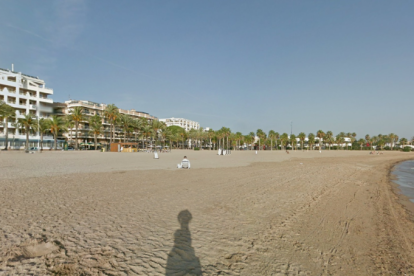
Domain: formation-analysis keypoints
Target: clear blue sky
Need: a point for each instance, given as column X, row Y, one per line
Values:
column 331, row 65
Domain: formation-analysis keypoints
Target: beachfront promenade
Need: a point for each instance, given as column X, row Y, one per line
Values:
column 306, row 213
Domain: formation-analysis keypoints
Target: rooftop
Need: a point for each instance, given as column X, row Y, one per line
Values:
column 7, row 70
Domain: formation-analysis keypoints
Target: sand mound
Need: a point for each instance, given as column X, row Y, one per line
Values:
column 38, row 250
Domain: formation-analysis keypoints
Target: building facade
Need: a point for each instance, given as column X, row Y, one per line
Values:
column 91, row 109
column 27, row 95
column 181, row 122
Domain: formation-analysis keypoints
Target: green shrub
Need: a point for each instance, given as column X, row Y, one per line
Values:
column 406, row 149
column 196, row 148
column 387, row 148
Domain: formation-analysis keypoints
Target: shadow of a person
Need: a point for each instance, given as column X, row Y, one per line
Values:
column 182, row 259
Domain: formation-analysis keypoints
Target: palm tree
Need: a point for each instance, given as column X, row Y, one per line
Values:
column 137, row 125
column 320, row 134
column 368, row 139
column 27, row 122
column 226, row 131
column 177, row 137
column 271, row 136
column 157, row 126
column 396, row 138
column 354, row 135
column 95, row 125
column 238, row 137
column 219, row 136
column 353, row 139
column 374, row 140
column 311, row 140
column 361, row 143
column 277, row 136
column 56, row 124
column 260, row 134
column 77, row 117
column 200, row 135
column 69, row 124
column 293, row 141
column 210, row 135
column 330, row 140
column 233, row 140
column 146, row 131
column 302, row 137
column 42, row 126
column 125, row 122
column 329, row 137
column 253, row 136
column 192, row 136
column 381, row 143
column 340, row 140
column 166, row 134
column 7, row 113
column 183, row 136
column 248, row 139
column 403, row 142
column 111, row 112
column 284, row 140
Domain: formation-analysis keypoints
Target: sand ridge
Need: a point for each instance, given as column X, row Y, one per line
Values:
column 316, row 214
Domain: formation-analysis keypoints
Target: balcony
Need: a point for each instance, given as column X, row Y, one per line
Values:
column 45, row 100
column 41, row 89
column 32, row 106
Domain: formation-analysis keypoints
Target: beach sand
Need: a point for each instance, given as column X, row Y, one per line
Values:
column 306, row 213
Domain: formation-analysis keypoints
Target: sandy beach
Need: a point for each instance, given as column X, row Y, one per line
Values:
column 306, row 213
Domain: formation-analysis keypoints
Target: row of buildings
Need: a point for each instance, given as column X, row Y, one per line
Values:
column 29, row 95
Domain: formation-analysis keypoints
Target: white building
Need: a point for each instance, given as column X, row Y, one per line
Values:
column 28, row 95
column 91, row 109
column 181, row 122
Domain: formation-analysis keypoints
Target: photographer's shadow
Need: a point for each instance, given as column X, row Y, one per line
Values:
column 182, row 259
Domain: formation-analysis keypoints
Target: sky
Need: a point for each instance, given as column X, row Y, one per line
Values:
column 247, row 65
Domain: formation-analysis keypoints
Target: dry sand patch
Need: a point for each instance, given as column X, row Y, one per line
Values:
column 332, row 215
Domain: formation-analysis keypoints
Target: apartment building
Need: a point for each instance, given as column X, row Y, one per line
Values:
column 181, row 122
column 90, row 109
column 27, row 95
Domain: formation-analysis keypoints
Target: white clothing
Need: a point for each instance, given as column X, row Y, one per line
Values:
column 185, row 161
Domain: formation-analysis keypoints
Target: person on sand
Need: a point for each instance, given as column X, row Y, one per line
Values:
column 184, row 160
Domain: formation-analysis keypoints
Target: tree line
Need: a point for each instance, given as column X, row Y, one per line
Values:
column 154, row 132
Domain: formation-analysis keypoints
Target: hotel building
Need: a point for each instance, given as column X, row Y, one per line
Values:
column 27, row 95
column 90, row 109
column 181, row 122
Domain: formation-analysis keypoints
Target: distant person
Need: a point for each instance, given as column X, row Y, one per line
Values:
column 185, row 163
